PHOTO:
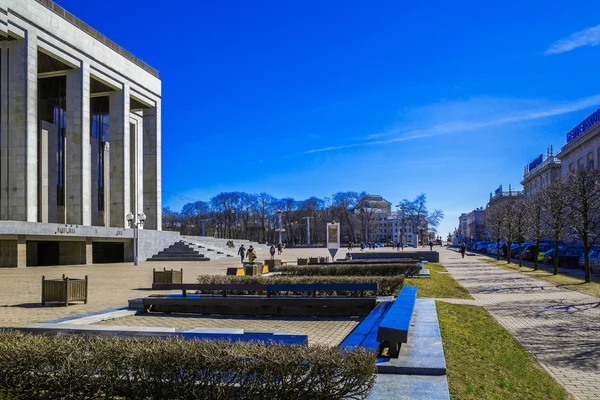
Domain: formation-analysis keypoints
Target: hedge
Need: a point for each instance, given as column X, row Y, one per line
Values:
column 387, row 286
column 81, row 367
column 406, row 269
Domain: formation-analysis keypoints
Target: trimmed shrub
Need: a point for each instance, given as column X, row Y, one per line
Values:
column 387, row 286
column 406, row 269
column 81, row 367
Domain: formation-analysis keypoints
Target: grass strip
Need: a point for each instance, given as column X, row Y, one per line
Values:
column 484, row 361
column 440, row 285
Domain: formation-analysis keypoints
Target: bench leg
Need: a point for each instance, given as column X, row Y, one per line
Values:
column 393, row 349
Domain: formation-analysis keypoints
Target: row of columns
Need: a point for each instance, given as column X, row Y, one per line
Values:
column 19, row 155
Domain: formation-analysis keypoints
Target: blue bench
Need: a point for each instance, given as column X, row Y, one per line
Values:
column 387, row 324
column 393, row 328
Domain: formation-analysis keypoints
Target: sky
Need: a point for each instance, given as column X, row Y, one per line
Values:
column 396, row 98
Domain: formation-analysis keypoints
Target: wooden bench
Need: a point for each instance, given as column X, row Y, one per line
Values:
column 288, row 305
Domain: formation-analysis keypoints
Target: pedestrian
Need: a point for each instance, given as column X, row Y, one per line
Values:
column 242, row 253
column 349, row 246
column 463, row 248
column 251, row 254
column 505, row 250
column 279, row 249
column 430, row 245
column 272, row 251
column 362, row 247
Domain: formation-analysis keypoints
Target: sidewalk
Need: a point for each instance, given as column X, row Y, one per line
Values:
column 560, row 327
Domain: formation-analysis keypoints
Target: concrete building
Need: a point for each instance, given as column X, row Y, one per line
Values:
column 392, row 227
column 471, row 225
column 540, row 173
column 583, row 145
column 501, row 195
column 80, row 141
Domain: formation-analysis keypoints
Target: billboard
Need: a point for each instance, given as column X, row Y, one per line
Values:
column 536, row 162
column 333, row 235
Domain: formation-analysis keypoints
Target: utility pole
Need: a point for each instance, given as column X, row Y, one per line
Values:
column 280, row 230
column 308, row 229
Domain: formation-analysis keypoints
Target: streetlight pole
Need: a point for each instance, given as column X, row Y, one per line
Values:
column 308, row 229
column 280, row 230
column 202, row 221
column 136, row 224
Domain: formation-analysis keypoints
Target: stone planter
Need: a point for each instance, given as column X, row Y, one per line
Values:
column 313, row 260
column 167, row 276
column 253, row 269
column 64, row 290
column 302, row 261
column 273, row 264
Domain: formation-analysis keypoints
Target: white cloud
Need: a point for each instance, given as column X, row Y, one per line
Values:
column 586, row 37
column 446, row 114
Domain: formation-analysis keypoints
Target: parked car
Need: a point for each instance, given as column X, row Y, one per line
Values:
column 528, row 251
column 593, row 255
column 514, row 250
column 567, row 257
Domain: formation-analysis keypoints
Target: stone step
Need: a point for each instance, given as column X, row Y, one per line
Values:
column 155, row 258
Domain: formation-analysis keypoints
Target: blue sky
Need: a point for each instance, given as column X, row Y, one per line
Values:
column 303, row 98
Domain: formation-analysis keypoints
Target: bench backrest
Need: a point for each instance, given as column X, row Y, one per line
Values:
column 210, row 286
column 321, row 287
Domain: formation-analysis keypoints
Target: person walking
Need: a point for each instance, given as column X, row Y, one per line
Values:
column 251, row 254
column 242, row 253
column 362, row 247
column 463, row 248
column 272, row 252
column 505, row 250
column 279, row 249
column 430, row 245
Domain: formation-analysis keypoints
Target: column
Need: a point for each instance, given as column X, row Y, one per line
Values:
column 21, row 252
column 106, row 181
column 21, row 134
column 78, row 183
column 88, row 251
column 152, row 168
column 119, row 157
column 95, row 179
column 43, row 175
column 4, row 131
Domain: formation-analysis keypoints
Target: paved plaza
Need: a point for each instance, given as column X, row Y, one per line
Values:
column 328, row 331
column 110, row 285
column 560, row 327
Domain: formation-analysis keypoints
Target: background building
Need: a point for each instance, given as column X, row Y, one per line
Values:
column 80, row 136
column 501, row 195
column 540, row 173
column 583, row 145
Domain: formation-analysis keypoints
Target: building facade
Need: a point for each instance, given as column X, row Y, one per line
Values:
column 394, row 227
column 471, row 226
column 80, row 139
column 583, row 145
column 540, row 173
column 500, row 195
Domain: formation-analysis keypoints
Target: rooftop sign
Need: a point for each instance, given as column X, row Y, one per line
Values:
column 584, row 125
column 536, row 162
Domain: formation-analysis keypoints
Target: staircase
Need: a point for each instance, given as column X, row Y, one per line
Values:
column 180, row 251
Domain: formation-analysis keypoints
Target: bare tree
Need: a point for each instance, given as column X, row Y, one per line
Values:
column 553, row 214
column 520, row 221
column 494, row 224
column 535, row 229
column 582, row 203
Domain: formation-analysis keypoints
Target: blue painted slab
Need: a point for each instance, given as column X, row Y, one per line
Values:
column 362, row 331
column 397, row 319
column 321, row 287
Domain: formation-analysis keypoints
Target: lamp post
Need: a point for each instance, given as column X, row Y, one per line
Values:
column 202, row 221
column 308, row 229
column 136, row 225
column 280, row 229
